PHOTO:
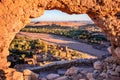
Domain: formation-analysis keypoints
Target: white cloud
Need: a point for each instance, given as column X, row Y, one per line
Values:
column 56, row 15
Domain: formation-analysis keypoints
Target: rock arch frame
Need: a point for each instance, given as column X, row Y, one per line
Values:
column 15, row 14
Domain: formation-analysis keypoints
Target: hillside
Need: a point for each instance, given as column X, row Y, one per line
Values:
column 62, row 23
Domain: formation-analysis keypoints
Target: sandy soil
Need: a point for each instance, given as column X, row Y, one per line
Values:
column 73, row 44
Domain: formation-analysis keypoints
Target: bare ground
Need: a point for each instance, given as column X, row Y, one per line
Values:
column 72, row 44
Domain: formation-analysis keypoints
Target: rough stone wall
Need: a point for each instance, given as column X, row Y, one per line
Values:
column 14, row 14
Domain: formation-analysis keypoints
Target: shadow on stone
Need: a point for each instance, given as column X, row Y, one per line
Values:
column 2, row 75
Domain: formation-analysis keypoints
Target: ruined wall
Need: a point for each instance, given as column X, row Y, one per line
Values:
column 14, row 14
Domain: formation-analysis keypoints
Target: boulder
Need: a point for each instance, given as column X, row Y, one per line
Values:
column 29, row 75
column 52, row 76
column 62, row 78
column 72, row 71
column 18, row 76
column 97, row 65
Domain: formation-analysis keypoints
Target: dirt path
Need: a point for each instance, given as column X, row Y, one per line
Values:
column 73, row 44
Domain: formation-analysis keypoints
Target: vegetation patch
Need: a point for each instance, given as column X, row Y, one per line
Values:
column 87, row 33
column 22, row 50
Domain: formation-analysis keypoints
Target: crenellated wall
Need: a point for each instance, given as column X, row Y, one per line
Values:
column 15, row 14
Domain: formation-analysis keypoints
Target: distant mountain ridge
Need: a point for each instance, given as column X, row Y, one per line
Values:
column 62, row 23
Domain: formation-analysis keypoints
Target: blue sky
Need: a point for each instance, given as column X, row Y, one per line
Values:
column 56, row 15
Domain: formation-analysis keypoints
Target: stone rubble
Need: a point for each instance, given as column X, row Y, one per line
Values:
column 107, row 69
column 14, row 15
column 100, row 72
